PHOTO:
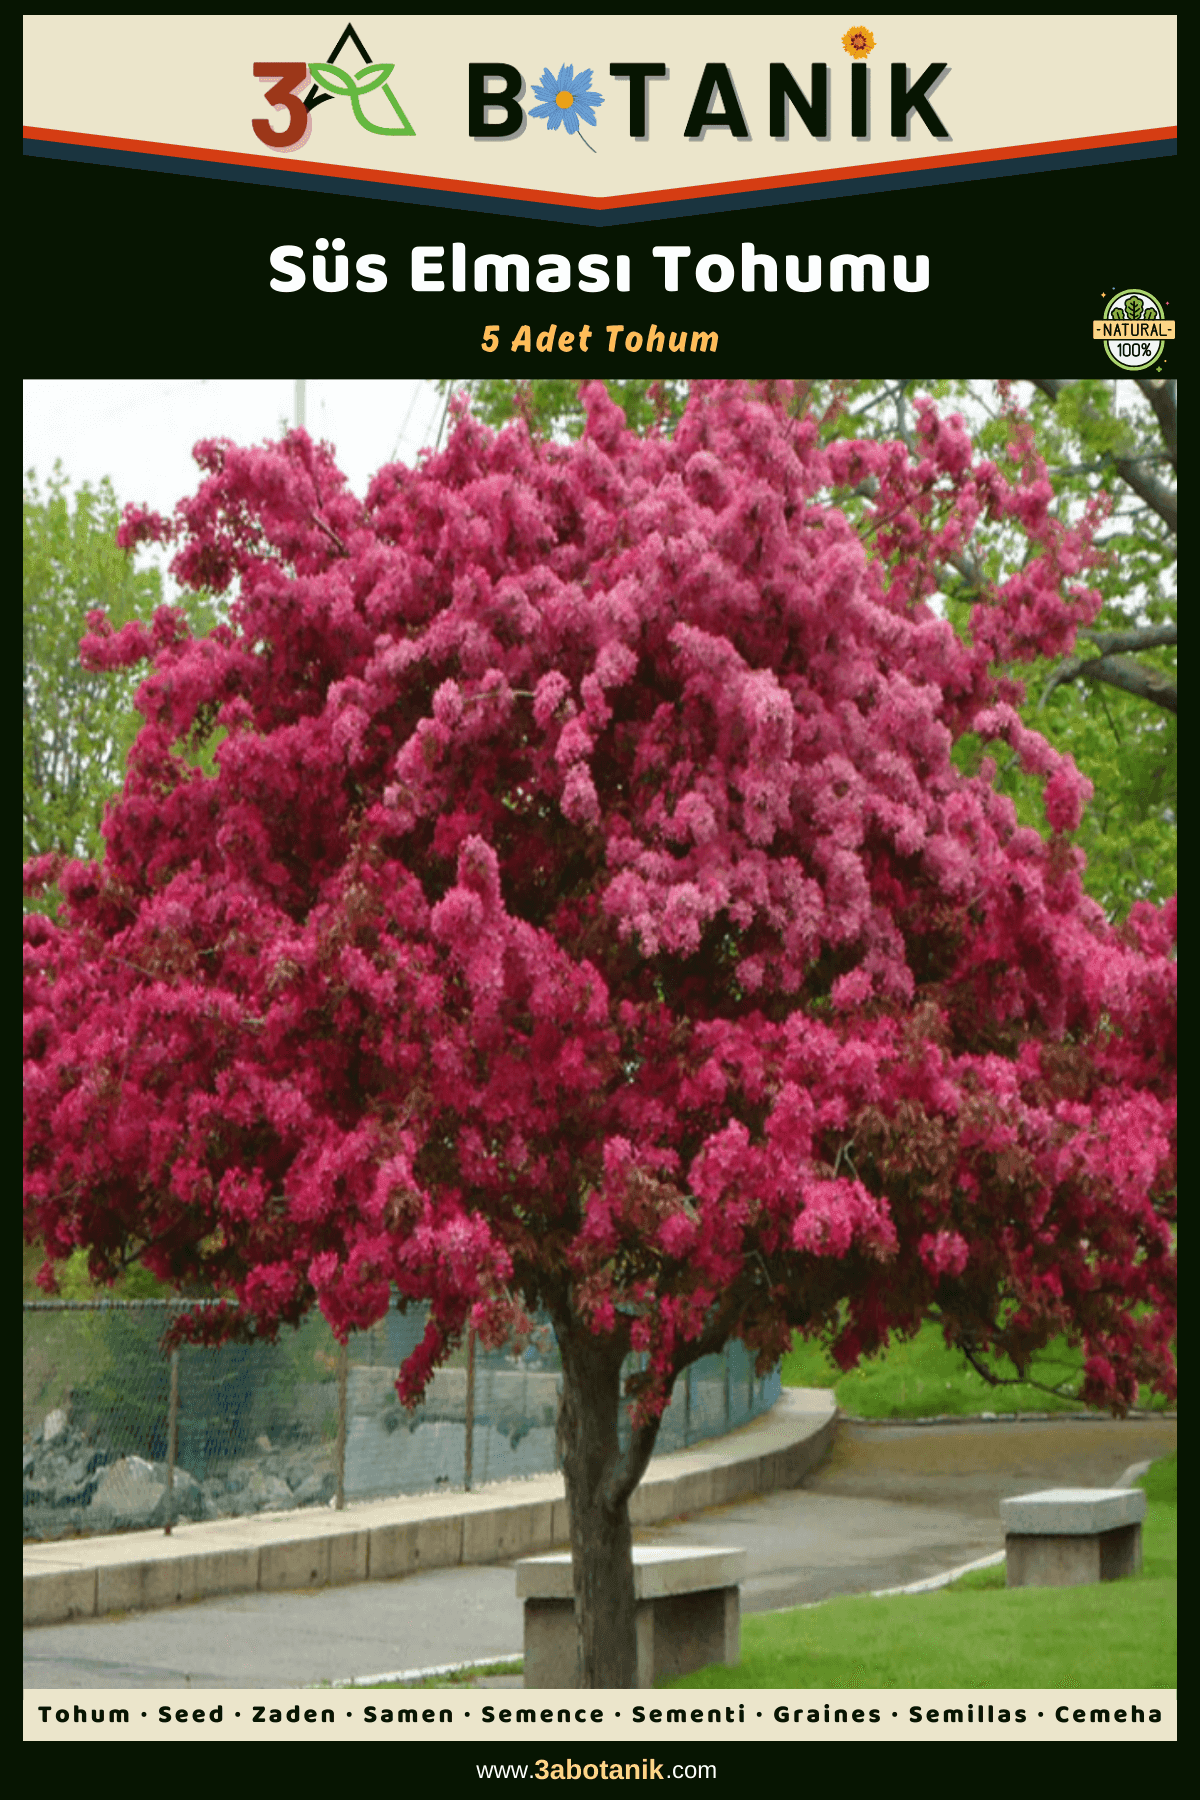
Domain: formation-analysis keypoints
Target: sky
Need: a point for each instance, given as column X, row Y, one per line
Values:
column 140, row 433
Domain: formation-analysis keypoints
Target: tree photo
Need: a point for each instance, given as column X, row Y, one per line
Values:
column 623, row 867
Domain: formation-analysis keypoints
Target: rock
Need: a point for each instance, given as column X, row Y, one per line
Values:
column 132, row 1495
column 187, row 1498
column 302, row 1465
column 53, row 1425
column 74, row 1486
column 72, row 1483
column 128, row 1494
column 266, row 1493
column 316, row 1489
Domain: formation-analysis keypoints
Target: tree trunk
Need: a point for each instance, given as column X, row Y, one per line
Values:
column 599, row 1478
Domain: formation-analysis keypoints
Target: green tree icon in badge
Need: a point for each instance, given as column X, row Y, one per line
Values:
column 1135, row 308
column 352, row 87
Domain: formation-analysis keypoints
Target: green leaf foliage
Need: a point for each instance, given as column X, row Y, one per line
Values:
column 77, row 726
column 551, row 408
column 1127, row 748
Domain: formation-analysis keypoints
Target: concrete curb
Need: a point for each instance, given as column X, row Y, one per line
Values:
column 932, row 1583
column 410, row 1677
column 989, row 1418
column 377, row 1540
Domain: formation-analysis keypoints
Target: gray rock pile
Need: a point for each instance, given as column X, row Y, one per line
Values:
column 71, row 1483
column 61, row 1468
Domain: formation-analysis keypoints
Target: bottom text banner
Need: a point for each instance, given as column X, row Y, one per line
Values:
column 613, row 1734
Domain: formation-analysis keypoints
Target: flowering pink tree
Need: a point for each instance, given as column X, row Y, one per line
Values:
column 588, row 912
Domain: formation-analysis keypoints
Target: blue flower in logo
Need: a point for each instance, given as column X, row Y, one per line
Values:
column 566, row 99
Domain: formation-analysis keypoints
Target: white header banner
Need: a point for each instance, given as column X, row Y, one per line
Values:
column 599, row 109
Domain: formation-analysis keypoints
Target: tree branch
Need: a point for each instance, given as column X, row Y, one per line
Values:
column 1155, row 493
column 1139, row 637
column 884, row 394
column 631, row 1464
column 1161, row 395
column 969, row 569
column 1120, row 672
column 1060, row 1392
column 994, row 1380
column 990, row 1376
column 1104, row 462
column 329, row 533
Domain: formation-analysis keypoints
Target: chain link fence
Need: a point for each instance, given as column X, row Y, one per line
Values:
column 118, row 1435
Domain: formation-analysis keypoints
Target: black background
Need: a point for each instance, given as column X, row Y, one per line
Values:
column 142, row 272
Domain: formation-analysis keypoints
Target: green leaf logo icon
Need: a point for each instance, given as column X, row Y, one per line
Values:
column 351, row 87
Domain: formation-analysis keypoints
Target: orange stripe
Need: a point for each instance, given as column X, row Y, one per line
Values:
column 859, row 171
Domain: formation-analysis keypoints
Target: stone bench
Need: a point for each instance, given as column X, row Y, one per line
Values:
column 688, row 1613
column 1067, row 1537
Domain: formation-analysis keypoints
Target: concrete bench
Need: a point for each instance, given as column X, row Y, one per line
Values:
column 1067, row 1537
column 688, row 1613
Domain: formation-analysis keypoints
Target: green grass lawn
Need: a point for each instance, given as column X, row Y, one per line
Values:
column 977, row 1633
column 920, row 1378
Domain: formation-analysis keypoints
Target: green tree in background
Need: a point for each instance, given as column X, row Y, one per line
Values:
column 1113, row 704
column 551, row 408
column 77, row 726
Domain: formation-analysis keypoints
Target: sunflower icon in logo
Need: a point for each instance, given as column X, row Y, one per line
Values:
column 566, row 99
column 858, row 42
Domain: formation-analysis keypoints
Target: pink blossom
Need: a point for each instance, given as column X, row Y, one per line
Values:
column 944, row 1252
column 586, row 903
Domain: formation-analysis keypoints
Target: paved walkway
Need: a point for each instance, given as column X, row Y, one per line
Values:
column 888, row 1505
column 893, row 1504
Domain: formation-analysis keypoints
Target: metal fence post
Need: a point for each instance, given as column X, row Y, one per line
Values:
column 172, row 1440
column 469, row 1456
column 558, row 1399
column 343, row 1368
